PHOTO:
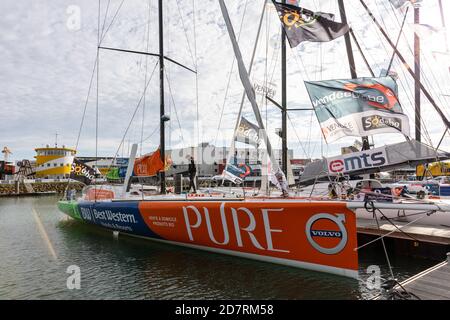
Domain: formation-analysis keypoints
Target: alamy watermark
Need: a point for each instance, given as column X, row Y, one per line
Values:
column 74, row 280
column 73, row 22
column 373, row 282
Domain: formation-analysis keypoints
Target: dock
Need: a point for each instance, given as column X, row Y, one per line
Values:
column 423, row 233
column 431, row 284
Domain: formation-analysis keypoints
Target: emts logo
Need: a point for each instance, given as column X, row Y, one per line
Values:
column 357, row 162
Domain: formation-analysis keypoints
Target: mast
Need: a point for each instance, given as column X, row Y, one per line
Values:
column 284, row 160
column 161, row 94
column 351, row 59
column 417, row 75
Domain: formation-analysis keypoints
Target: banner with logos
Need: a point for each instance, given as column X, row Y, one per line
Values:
column 357, row 107
column 357, row 161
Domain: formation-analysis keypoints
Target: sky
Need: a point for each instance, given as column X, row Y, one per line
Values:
column 48, row 50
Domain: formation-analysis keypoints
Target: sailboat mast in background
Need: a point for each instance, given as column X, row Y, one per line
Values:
column 161, row 94
column 284, row 159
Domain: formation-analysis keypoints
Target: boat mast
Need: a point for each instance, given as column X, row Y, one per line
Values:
column 351, row 60
column 417, row 75
column 161, row 94
column 284, row 160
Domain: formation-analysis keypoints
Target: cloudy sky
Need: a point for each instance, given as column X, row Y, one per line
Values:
column 48, row 52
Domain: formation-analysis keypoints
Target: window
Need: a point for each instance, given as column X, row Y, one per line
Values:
column 48, row 164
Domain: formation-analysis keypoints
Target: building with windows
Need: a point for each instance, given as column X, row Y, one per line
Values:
column 54, row 162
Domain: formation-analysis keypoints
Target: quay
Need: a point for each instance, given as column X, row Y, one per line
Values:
column 416, row 240
column 35, row 187
column 431, row 284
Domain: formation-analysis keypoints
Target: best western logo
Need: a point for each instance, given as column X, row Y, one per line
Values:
column 357, row 161
column 378, row 122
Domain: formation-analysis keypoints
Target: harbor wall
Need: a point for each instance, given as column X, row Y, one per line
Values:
column 16, row 188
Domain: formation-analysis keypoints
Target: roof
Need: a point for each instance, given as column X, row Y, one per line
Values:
column 56, row 148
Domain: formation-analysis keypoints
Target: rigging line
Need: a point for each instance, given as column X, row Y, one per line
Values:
column 97, row 95
column 384, row 245
column 229, row 76
column 86, row 103
column 111, row 23
column 105, row 17
column 196, row 69
column 145, row 77
column 398, row 40
column 84, row 113
column 298, row 138
column 381, row 40
column 152, row 134
column 393, row 231
column 425, row 76
column 362, row 53
column 175, row 108
column 185, row 33
column 425, row 58
column 410, row 106
column 131, row 120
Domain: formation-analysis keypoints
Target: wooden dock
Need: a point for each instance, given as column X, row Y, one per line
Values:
column 431, row 284
column 423, row 233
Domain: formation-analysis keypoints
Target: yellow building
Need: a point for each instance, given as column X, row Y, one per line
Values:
column 54, row 162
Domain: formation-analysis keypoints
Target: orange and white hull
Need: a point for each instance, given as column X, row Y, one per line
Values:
column 315, row 235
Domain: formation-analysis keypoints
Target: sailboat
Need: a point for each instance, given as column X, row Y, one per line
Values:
column 305, row 232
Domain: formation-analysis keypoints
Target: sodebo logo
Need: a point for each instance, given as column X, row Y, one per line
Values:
column 327, row 233
column 357, row 162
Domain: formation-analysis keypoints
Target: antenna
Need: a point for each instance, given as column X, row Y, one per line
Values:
column 56, row 139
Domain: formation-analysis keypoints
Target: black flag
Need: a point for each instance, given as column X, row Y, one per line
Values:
column 82, row 172
column 301, row 24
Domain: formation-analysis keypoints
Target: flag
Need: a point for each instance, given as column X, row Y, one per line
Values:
column 236, row 172
column 248, row 133
column 357, row 107
column 148, row 165
column 82, row 172
column 301, row 24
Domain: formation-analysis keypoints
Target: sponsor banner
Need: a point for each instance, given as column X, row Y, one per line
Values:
column 301, row 24
column 323, row 234
column 148, row 165
column 237, row 172
column 82, row 172
column 265, row 89
column 357, row 161
column 357, row 107
column 248, row 133
column 120, row 216
column 379, row 195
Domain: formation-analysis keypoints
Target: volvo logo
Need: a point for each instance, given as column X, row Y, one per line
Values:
column 327, row 233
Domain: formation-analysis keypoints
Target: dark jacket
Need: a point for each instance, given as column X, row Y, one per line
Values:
column 192, row 169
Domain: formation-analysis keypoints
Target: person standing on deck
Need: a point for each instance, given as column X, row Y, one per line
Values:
column 192, row 173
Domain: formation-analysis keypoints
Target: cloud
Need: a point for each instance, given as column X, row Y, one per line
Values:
column 47, row 65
